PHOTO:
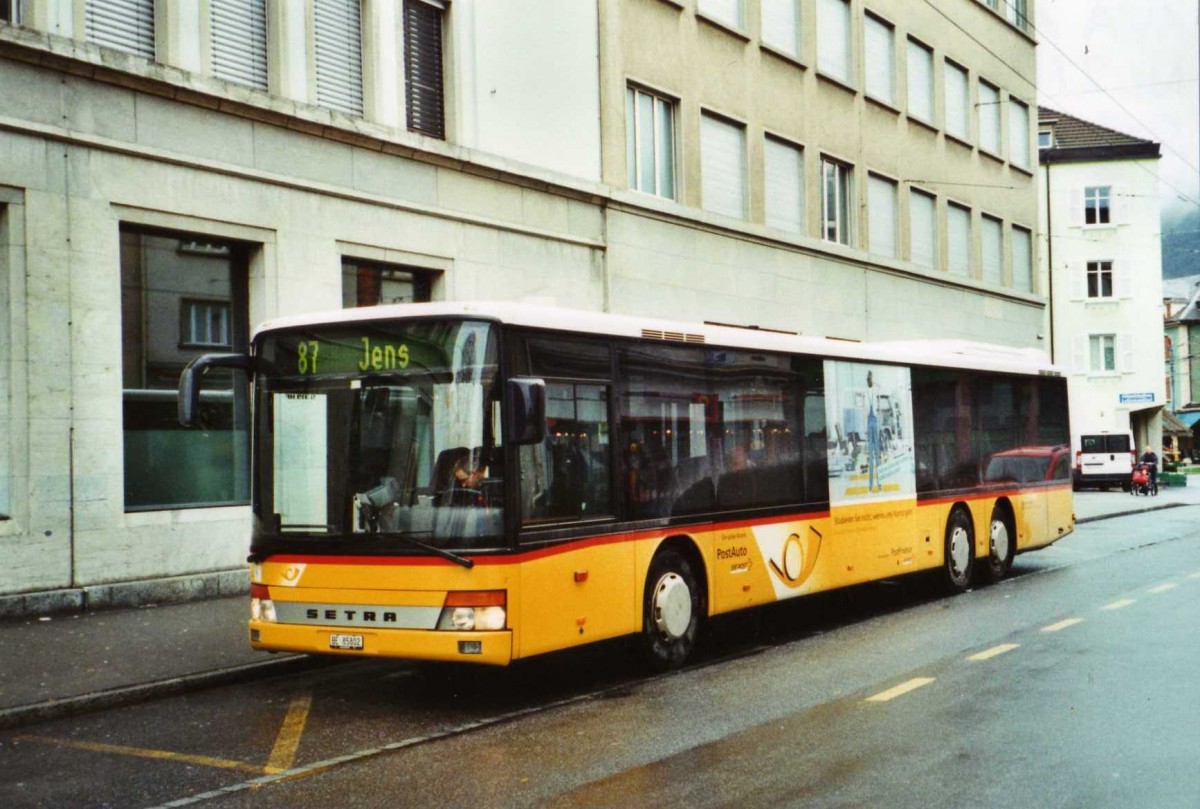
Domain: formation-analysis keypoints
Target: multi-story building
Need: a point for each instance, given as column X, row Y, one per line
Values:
column 1104, row 258
column 174, row 171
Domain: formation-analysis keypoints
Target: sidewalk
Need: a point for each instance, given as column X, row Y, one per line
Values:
column 67, row 664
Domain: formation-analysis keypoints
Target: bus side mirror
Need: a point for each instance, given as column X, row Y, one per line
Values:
column 189, row 381
column 527, row 411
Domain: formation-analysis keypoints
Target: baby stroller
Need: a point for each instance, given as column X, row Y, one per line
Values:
column 1143, row 481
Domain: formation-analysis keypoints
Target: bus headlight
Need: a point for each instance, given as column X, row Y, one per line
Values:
column 469, row 611
column 262, row 608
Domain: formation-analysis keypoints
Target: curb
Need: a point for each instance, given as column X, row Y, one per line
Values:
column 173, row 686
column 1081, row 520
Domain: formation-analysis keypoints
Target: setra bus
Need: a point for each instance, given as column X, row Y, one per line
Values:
column 487, row 482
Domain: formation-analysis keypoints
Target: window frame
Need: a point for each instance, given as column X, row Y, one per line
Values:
column 1098, row 202
column 843, row 179
column 1097, row 347
column 1096, row 272
column 633, row 141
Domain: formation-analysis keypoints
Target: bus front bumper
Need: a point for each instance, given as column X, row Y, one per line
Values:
column 481, row 648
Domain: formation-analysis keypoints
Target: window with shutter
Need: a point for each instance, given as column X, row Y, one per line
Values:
column 989, row 118
column 1022, row 259
column 781, row 26
column 722, row 166
column 922, row 221
column 337, row 35
column 784, row 180
column 881, row 216
column 833, row 39
column 123, row 25
column 726, row 11
column 239, row 41
column 1018, row 133
column 920, row 81
column 993, row 251
column 424, row 90
column 958, row 239
column 958, row 102
column 879, row 40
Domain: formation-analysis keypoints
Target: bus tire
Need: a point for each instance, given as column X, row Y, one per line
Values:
column 960, row 551
column 672, row 610
column 1002, row 540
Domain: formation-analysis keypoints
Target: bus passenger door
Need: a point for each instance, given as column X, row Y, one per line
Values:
column 575, row 581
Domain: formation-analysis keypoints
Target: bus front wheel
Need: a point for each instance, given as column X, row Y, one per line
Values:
column 960, row 551
column 673, row 606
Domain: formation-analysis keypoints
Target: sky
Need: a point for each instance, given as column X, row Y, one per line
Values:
column 1130, row 65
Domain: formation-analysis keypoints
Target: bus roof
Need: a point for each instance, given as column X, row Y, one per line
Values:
column 949, row 353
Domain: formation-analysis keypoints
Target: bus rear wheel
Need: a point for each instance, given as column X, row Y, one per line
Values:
column 672, row 610
column 1001, row 545
column 960, row 551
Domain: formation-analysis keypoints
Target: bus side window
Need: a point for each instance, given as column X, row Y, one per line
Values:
column 566, row 477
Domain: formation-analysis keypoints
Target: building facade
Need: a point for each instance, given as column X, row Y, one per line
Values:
column 174, row 171
column 1104, row 258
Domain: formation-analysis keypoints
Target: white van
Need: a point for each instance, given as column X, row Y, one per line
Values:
column 1104, row 459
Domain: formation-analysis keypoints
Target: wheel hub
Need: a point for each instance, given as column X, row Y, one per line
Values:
column 672, row 606
column 999, row 541
column 960, row 551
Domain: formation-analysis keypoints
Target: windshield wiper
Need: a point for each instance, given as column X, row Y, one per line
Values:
column 442, row 552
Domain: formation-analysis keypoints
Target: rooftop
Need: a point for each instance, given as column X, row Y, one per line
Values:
column 1075, row 139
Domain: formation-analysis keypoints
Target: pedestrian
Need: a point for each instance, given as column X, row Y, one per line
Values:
column 1150, row 458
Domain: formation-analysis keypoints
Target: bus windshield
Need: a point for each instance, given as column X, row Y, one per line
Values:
column 383, row 433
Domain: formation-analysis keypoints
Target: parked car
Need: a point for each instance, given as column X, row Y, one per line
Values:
column 1031, row 464
column 1104, row 459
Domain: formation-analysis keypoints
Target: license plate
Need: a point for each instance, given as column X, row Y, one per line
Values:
column 345, row 641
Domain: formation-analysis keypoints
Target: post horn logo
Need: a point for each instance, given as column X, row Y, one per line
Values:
column 797, row 558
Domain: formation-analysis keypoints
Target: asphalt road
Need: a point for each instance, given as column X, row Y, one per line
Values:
column 1070, row 685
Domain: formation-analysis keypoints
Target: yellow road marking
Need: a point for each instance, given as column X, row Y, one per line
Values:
column 1162, row 588
column 901, row 690
column 995, row 651
column 141, row 752
column 1116, row 605
column 283, row 754
column 1062, row 625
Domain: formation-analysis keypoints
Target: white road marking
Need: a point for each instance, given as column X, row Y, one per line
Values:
column 901, row 690
column 1116, row 605
column 995, row 651
column 1162, row 588
column 1062, row 625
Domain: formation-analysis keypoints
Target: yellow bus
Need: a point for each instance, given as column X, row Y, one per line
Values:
column 487, row 482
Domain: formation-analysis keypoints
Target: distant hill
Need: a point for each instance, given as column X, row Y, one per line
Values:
column 1180, row 242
